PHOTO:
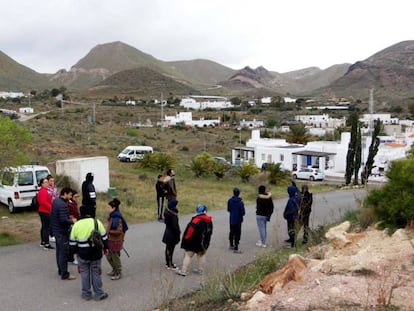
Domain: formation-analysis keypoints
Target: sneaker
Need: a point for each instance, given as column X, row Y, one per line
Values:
column 198, row 271
column 263, row 245
column 102, row 297
column 111, row 273
column 52, row 239
column 48, row 246
column 259, row 243
column 231, row 248
column 87, row 298
column 70, row 278
column 75, row 262
column 173, row 267
column 181, row 272
column 237, row 251
column 42, row 244
column 116, row 277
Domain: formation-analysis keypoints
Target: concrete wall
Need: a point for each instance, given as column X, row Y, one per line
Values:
column 77, row 169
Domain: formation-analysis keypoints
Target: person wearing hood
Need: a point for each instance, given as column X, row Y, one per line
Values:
column 88, row 196
column 291, row 214
column 117, row 227
column 306, row 200
column 235, row 207
column 264, row 210
column 196, row 239
column 172, row 233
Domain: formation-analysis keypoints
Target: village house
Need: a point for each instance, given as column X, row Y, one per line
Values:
column 200, row 102
column 329, row 156
column 186, row 118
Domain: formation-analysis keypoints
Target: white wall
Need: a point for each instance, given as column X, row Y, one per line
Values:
column 77, row 169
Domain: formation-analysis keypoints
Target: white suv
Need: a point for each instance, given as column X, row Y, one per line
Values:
column 18, row 185
column 309, row 173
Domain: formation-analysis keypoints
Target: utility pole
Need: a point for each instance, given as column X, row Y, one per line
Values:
column 162, row 115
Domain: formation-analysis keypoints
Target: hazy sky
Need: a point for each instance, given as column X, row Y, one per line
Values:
column 281, row 35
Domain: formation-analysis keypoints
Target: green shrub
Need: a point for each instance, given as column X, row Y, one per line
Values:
column 393, row 203
column 158, row 161
column 246, row 170
column 202, row 164
column 278, row 176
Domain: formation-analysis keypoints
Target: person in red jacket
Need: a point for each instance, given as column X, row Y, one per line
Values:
column 45, row 207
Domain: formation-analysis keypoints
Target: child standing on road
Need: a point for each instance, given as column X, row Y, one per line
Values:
column 117, row 227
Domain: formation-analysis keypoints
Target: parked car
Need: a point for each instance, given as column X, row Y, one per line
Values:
column 221, row 160
column 309, row 173
column 18, row 185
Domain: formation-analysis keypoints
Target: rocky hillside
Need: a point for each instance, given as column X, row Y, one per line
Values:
column 390, row 72
column 355, row 271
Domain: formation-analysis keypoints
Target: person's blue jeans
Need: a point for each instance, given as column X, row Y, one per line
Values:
column 62, row 255
column 90, row 271
column 261, row 225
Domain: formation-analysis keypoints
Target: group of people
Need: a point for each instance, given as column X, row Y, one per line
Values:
column 197, row 234
column 72, row 227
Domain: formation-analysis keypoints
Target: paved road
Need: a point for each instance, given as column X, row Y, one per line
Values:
column 29, row 281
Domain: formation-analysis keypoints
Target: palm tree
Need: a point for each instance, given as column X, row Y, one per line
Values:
column 298, row 134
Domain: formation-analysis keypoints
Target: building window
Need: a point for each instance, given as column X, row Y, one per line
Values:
column 282, row 158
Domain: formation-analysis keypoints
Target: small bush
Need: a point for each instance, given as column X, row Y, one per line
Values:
column 247, row 170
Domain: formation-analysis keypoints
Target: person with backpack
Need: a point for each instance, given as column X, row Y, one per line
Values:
column 264, row 210
column 117, row 227
column 235, row 207
column 305, row 209
column 61, row 223
column 291, row 214
column 196, row 240
column 89, row 251
column 172, row 232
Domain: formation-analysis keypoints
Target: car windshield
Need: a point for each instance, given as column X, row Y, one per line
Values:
column 126, row 151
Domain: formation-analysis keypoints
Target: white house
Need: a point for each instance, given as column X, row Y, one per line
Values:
column 251, row 123
column 384, row 117
column 201, row 102
column 26, row 110
column 326, row 155
column 11, row 94
column 187, row 119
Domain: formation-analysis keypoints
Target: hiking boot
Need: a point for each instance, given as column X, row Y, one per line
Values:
column 181, row 272
column 116, row 277
column 47, row 247
column 102, row 297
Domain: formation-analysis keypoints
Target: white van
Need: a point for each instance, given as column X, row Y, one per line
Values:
column 134, row 153
column 18, row 185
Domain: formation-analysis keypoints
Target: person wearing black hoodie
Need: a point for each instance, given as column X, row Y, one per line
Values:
column 264, row 210
column 88, row 196
column 172, row 233
column 235, row 207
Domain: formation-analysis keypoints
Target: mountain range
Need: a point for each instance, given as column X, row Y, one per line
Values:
column 120, row 69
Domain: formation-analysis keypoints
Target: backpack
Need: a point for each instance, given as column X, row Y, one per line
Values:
column 35, row 203
column 95, row 238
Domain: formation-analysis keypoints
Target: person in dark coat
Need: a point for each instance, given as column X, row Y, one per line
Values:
column 88, row 196
column 264, row 210
column 172, row 233
column 305, row 209
column 161, row 189
column 196, row 239
column 235, row 207
column 291, row 214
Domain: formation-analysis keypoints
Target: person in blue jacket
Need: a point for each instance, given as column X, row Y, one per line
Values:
column 235, row 207
column 291, row 214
